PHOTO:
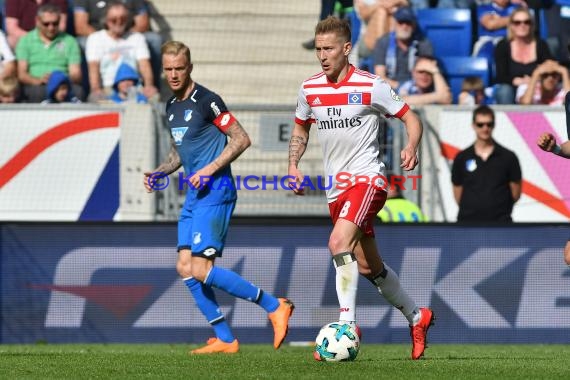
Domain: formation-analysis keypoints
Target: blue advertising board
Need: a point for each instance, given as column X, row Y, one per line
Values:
column 69, row 282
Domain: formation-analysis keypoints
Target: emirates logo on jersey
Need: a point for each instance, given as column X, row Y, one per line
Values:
column 331, row 123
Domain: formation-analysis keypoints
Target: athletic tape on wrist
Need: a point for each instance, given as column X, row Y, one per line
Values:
column 343, row 259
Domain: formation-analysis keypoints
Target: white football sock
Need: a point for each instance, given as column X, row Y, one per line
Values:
column 388, row 285
column 346, row 285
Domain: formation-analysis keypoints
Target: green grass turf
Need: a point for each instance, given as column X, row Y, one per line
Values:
column 161, row 361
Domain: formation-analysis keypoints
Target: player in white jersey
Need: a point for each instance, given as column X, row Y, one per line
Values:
column 347, row 104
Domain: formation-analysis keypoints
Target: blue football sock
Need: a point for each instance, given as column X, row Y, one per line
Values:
column 235, row 285
column 268, row 302
column 206, row 300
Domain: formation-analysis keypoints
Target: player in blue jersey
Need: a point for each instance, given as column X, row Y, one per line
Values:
column 200, row 123
column 547, row 142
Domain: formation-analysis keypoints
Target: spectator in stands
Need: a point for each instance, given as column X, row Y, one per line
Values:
column 125, row 86
column 397, row 208
column 493, row 20
column 107, row 49
column 427, row 86
column 517, row 56
column 58, row 89
column 473, row 92
column 89, row 17
column 548, row 85
column 21, row 17
column 328, row 9
column 44, row 50
column 7, row 59
column 557, row 25
column 9, row 90
column 419, row 4
column 376, row 21
column 486, row 176
column 395, row 52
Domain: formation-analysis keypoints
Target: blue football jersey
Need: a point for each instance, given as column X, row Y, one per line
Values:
column 197, row 125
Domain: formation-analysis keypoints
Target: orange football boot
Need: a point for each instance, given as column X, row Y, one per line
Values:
column 215, row 345
column 418, row 332
column 280, row 321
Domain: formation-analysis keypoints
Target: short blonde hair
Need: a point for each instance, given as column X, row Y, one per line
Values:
column 176, row 48
column 334, row 25
column 9, row 86
column 512, row 16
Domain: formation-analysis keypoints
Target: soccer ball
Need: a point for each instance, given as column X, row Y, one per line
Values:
column 337, row 342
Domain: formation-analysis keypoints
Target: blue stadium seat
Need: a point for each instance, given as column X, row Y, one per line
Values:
column 456, row 69
column 2, row 18
column 355, row 23
column 70, row 18
column 366, row 64
column 542, row 24
column 563, row 2
column 448, row 29
column 487, row 51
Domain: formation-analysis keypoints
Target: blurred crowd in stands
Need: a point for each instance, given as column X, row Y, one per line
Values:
column 105, row 51
column 492, row 51
column 72, row 51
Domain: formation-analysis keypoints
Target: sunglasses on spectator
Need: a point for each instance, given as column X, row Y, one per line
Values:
column 118, row 20
column 520, row 22
column 551, row 74
column 50, row 23
column 489, row 124
column 423, row 72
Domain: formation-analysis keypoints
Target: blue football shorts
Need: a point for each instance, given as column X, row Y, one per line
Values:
column 203, row 229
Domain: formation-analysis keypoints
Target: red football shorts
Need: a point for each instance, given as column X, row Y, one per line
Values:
column 359, row 204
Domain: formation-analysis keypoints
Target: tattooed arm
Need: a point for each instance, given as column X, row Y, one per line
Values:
column 169, row 166
column 239, row 142
column 297, row 146
column 172, row 162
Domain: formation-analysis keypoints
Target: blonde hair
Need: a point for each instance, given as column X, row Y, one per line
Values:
column 472, row 84
column 9, row 86
column 334, row 25
column 512, row 16
column 176, row 48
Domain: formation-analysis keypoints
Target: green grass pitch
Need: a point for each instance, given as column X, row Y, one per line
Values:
column 375, row 361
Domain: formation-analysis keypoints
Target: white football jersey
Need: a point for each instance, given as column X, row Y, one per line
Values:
column 347, row 115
